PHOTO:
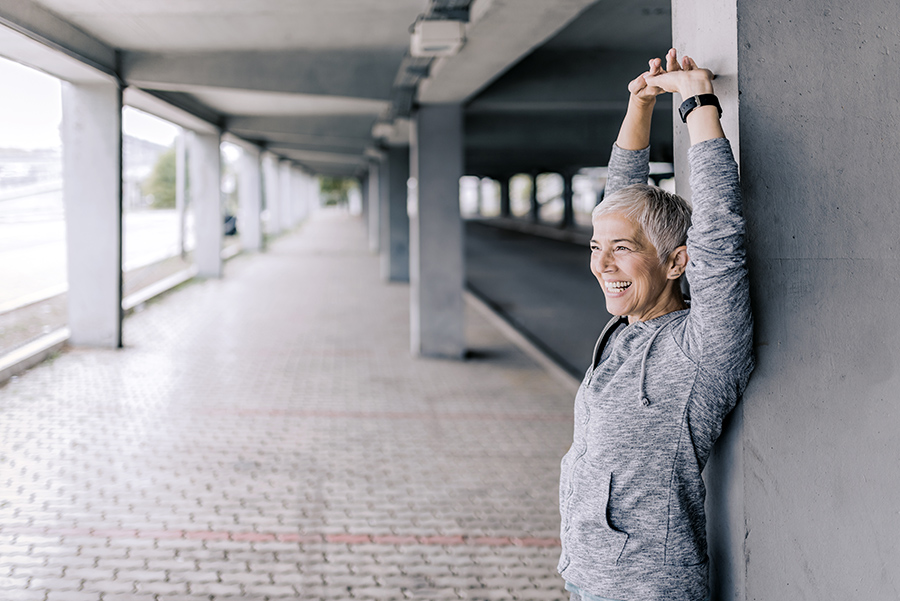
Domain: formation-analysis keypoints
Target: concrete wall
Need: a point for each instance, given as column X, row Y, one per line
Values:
column 819, row 141
column 813, row 449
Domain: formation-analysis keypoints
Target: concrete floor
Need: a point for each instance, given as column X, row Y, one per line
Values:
column 268, row 436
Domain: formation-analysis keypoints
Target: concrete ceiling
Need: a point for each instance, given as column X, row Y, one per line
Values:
column 308, row 79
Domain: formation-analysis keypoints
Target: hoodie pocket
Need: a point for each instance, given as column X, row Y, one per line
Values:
column 590, row 533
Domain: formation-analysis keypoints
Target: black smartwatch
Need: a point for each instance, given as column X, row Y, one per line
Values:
column 695, row 101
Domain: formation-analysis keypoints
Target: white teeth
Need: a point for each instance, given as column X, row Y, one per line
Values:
column 617, row 286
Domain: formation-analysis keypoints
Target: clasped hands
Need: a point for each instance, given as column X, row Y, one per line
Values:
column 685, row 79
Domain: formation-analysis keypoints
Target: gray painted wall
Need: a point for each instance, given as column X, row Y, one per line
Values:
column 811, row 459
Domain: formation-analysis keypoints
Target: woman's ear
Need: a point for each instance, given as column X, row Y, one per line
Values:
column 676, row 263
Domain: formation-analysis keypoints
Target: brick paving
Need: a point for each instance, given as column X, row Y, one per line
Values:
column 269, row 436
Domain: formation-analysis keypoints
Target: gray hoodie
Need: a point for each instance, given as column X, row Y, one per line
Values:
column 647, row 415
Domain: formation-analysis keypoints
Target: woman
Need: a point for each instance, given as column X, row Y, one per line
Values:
column 664, row 373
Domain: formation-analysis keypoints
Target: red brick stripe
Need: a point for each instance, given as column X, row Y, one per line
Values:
column 301, row 414
column 301, row 538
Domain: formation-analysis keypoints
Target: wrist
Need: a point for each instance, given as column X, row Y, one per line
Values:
column 700, row 82
column 642, row 102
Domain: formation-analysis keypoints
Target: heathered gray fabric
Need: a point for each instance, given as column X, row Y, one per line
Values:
column 646, row 417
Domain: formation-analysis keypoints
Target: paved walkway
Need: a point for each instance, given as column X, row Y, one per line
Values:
column 268, row 436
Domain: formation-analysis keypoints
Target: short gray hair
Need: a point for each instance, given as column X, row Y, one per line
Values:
column 664, row 217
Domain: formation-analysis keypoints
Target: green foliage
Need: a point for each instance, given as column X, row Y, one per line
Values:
column 334, row 190
column 161, row 181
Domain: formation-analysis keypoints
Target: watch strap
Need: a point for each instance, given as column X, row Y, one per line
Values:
column 697, row 101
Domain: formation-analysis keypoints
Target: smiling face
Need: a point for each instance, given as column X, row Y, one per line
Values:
column 627, row 266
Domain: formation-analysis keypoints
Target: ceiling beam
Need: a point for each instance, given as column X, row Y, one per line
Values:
column 500, row 34
column 56, row 47
column 331, row 127
column 364, row 73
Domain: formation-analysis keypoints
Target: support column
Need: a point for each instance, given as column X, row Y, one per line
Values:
column 181, row 189
column 436, row 234
column 374, row 204
column 302, row 196
column 505, row 208
column 395, row 219
column 272, row 195
column 286, row 192
column 479, row 198
column 92, row 197
column 568, row 205
column 364, row 197
column 708, row 32
column 250, row 201
column 206, row 197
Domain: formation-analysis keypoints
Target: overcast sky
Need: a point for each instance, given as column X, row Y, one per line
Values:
column 31, row 111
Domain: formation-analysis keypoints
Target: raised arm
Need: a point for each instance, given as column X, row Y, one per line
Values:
column 629, row 162
column 719, row 330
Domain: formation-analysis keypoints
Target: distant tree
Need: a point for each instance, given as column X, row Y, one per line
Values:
column 161, row 181
column 334, row 189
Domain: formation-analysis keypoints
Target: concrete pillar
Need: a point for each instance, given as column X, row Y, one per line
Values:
column 272, row 199
column 568, row 204
column 302, row 195
column 505, row 209
column 92, row 196
column 709, row 34
column 479, row 198
column 206, row 198
column 364, row 197
column 436, row 234
column 803, row 484
column 286, row 194
column 395, row 219
column 374, row 205
column 181, row 188
column 250, row 200
column 354, row 200
column 314, row 194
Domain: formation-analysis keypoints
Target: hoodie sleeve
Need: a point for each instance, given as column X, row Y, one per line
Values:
column 720, row 325
column 627, row 167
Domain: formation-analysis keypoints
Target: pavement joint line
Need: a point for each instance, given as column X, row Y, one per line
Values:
column 279, row 537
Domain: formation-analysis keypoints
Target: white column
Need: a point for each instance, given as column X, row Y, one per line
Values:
column 299, row 197
column 374, row 207
column 286, row 195
column 316, row 198
column 92, row 196
column 271, row 187
column 436, row 234
column 304, row 195
column 181, row 189
column 250, row 201
column 206, row 198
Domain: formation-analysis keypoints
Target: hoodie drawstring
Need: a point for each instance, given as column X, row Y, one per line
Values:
column 641, row 396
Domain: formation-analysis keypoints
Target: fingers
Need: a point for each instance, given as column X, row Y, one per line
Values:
column 638, row 83
column 672, row 60
column 688, row 63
